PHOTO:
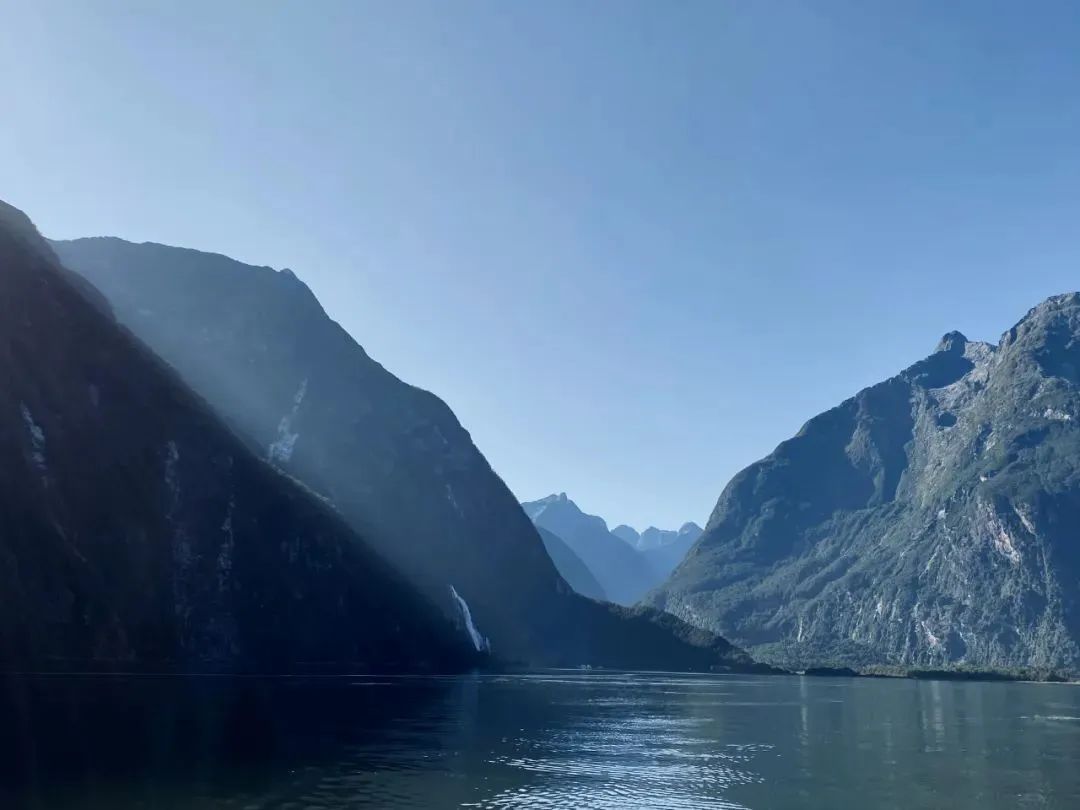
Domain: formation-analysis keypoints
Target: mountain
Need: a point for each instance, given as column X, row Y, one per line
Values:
column 622, row 572
column 928, row 522
column 656, row 552
column 664, row 549
column 257, row 345
column 653, row 537
column 139, row 533
column 570, row 566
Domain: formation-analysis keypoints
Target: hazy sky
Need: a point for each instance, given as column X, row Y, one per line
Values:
column 633, row 245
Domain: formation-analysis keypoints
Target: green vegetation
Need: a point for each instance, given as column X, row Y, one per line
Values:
column 929, row 524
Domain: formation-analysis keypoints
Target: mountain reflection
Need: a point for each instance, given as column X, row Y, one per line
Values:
column 542, row 740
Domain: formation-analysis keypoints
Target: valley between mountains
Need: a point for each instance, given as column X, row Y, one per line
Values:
column 204, row 472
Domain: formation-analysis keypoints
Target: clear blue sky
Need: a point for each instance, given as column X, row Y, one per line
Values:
column 634, row 245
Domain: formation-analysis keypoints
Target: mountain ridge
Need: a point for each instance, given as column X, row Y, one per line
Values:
column 920, row 523
column 392, row 457
column 621, row 571
column 141, row 534
column 626, row 566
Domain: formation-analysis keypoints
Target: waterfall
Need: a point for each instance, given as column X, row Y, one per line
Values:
column 479, row 642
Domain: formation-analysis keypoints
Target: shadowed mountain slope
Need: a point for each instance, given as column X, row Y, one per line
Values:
column 571, row 567
column 393, row 458
column 138, row 532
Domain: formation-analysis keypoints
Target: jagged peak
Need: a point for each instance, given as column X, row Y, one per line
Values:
column 534, row 508
column 555, row 497
column 690, row 526
column 1053, row 307
column 1054, row 302
column 953, row 342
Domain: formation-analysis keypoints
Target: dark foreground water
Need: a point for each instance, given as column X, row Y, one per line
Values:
column 549, row 740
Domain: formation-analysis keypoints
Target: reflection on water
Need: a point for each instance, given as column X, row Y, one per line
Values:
column 545, row 740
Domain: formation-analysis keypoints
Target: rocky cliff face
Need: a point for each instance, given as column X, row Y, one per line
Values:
column 139, row 532
column 932, row 520
column 392, row 458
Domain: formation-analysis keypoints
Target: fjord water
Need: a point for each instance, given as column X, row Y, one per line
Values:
column 542, row 740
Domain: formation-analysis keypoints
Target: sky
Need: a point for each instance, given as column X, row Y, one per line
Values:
column 634, row 245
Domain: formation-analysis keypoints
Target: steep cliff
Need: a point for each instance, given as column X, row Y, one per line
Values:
column 933, row 520
column 138, row 532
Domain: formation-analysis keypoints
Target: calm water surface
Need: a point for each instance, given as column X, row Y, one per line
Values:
column 546, row 740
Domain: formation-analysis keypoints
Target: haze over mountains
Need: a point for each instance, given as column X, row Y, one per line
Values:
column 663, row 549
column 932, row 520
column 312, row 509
column 391, row 457
column 572, row 568
column 627, row 565
column 138, row 532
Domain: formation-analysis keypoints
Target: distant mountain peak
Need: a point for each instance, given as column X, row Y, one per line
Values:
column 626, row 563
column 952, row 342
column 555, row 497
column 557, row 500
column 395, row 458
